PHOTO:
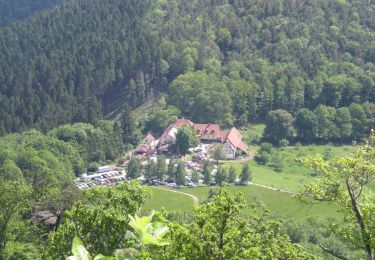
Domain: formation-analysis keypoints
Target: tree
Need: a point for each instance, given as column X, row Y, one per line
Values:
column 162, row 118
column 369, row 109
column 325, row 122
column 219, row 231
column 130, row 133
column 105, row 218
column 343, row 182
column 134, row 168
column 150, row 169
column 145, row 234
column 359, row 121
column 343, row 122
column 245, row 175
column 279, row 125
column 306, row 125
column 263, row 154
column 195, row 176
column 171, row 171
column 207, row 170
column 180, row 173
column 232, row 175
column 283, row 143
column 202, row 97
column 220, row 176
column 186, row 138
column 217, row 152
column 10, row 171
column 14, row 200
column 160, row 168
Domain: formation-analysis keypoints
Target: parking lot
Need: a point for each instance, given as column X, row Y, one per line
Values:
column 100, row 179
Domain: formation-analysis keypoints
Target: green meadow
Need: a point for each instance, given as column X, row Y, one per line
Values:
column 169, row 200
column 280, row 204
column 293, row 174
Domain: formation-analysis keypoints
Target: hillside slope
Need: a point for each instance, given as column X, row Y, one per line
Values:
column 85, row 58
column 14, row 10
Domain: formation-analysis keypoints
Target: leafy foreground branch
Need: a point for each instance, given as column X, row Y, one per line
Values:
column 344, row 182
column 218, row 231
column 145, row 233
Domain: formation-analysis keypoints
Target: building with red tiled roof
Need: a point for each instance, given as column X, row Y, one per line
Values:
column 208, row 133
column 149, row 138
column 234, row 142
column 181, row 122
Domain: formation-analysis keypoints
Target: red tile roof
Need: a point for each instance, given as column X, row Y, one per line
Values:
column 212, row 129
column 166, row 132
column 211, row 132
column 142, row 149
column 149, row 138
column 223, row 135
column 200, row 128
column 181, row 122
column 235, row 138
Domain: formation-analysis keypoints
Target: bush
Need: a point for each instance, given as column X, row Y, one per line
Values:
column 283, row 143
column 262, row 158
column 93, row 167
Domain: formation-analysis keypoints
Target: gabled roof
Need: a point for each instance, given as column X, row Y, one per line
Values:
column 223, row 135
column 166, row 132
column 181, row 122
column 170, row 131
column 149, row 138
column 235, row 139
column 208, row 130
column 200, row 128
column 143, row 148
column 212, row 129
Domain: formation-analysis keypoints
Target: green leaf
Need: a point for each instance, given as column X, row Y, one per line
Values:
column 130, row 235
column 79, row 251
column 147, row 232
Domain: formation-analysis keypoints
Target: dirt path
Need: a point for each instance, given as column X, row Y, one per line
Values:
column 272, row 188
column 195, row 198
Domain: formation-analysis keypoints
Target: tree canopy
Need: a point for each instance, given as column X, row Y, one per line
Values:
column 222, row 62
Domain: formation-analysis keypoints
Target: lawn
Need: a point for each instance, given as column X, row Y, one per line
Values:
column 280, row 204
column 171, row 201
column 293, row 174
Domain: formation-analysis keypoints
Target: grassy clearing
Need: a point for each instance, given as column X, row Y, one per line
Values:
column 293, row 174
column 171, row 201
column 280, row 204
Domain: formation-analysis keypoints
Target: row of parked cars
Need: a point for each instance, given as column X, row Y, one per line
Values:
column 167, row 183
column 100, row 179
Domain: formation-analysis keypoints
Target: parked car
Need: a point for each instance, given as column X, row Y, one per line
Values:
column 192, row 185
column 240, row 183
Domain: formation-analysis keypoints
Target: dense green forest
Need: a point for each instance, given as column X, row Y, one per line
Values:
column 218, row 61
column 14, row 10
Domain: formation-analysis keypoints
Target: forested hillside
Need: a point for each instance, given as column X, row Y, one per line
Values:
column 222, row 61
column 13, row 10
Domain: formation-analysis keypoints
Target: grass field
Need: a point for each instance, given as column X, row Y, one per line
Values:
column 280, row 204
column 169, row 200
column 293, row 174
